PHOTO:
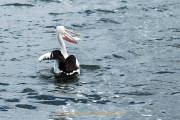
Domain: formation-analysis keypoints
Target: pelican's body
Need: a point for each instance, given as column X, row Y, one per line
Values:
column 65, row 64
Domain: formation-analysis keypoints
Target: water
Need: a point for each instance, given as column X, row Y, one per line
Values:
column 129, row 59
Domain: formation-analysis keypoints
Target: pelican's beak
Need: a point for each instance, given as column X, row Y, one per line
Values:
column 68, row 37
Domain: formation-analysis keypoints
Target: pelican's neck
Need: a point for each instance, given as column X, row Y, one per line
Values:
column 63, row 46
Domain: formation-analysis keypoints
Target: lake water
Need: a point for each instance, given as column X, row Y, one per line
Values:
column 129, row 57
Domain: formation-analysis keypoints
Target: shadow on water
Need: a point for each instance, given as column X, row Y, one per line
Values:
column 66, row 79
column 49, row 76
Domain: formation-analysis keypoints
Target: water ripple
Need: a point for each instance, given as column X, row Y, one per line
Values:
column 4, row 108
column 53, row 102
column 90, row 67
column 48, row 1
column 12, row 100
column 107, row 20
column 43, row 97
column 136, row 93
column 164, row 72
column 105, row 11
column 28, row 90
column 173, row 93
column 133, row 103
column 26, row 106
column 18, row 4
column 4, row 84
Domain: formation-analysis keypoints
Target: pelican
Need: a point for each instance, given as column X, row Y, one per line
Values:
column 64, row 64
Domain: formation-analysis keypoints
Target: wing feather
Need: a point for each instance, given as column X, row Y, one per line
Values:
column 54, row 55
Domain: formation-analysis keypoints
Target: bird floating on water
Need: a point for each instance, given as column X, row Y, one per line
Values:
column 65, row 64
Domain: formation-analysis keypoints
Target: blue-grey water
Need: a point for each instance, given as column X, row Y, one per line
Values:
column 129, row 57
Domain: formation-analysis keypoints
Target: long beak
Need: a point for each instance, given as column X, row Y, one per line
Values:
column 68, row 37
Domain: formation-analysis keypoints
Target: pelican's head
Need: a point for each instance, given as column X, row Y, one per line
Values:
column 62, row 31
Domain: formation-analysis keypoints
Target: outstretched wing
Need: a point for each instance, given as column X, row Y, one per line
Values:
column 54, row 55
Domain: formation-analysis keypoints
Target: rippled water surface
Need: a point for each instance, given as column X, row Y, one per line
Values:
column 129, row 58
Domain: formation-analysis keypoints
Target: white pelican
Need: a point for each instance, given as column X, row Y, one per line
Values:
column 65, row 64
